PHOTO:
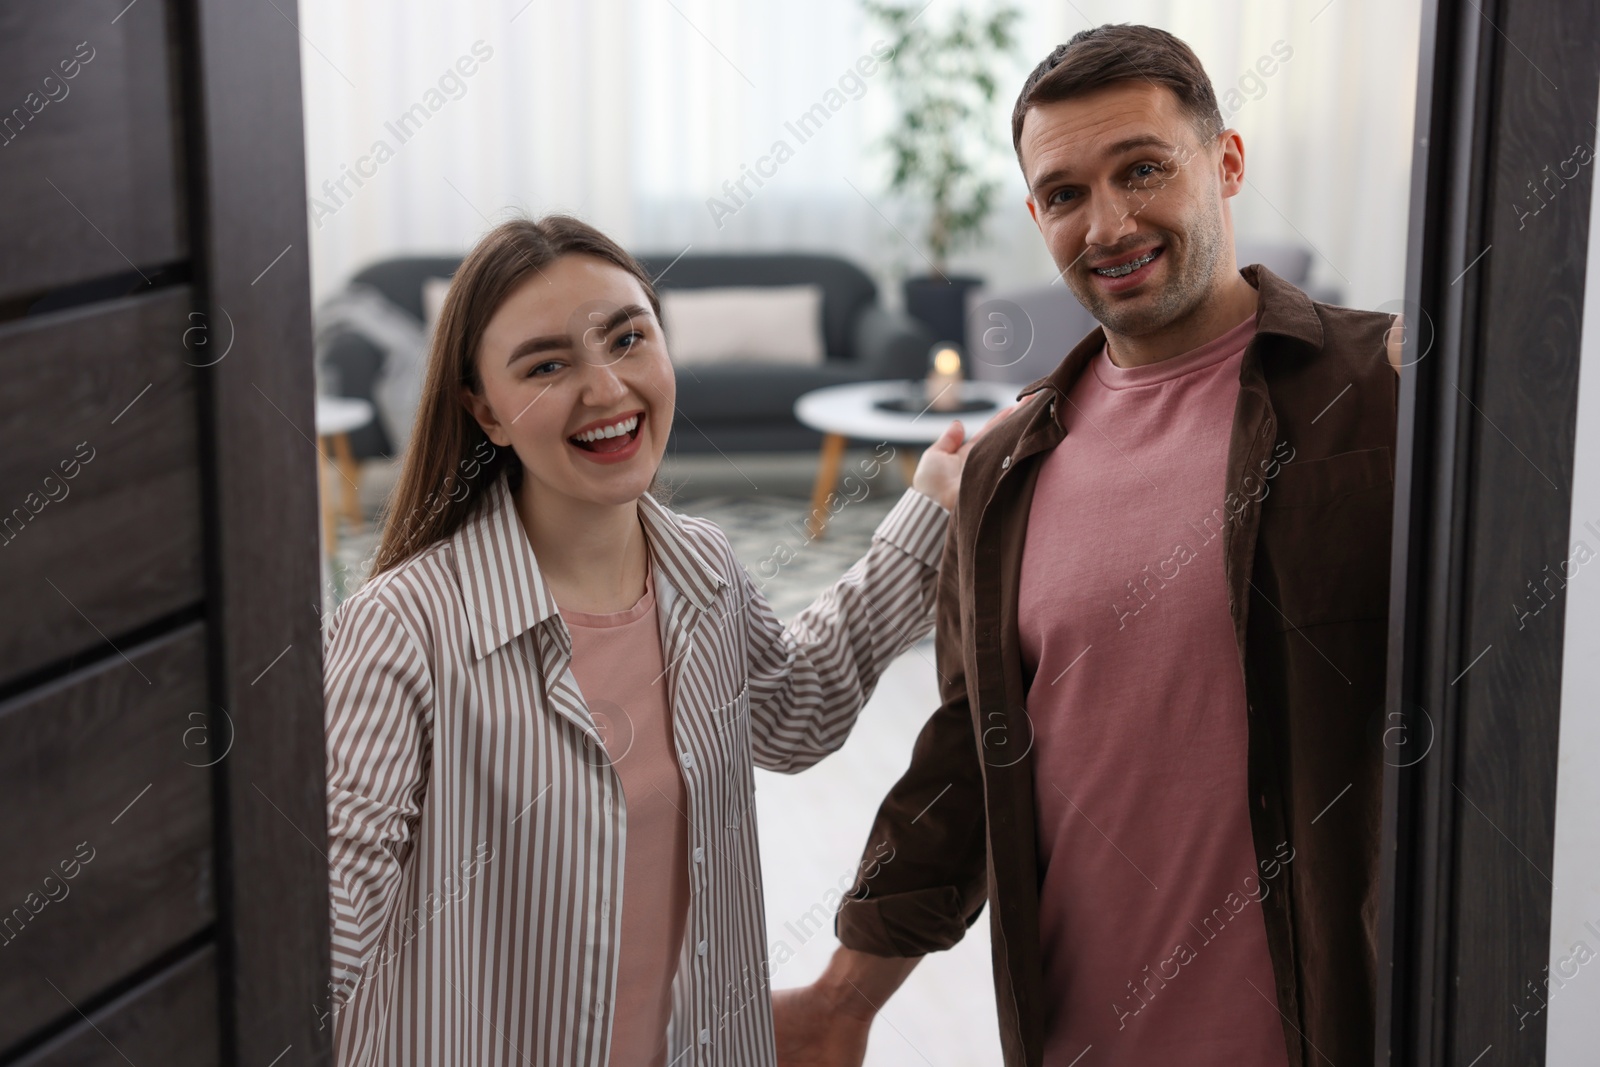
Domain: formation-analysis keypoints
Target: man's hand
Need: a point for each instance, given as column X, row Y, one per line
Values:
column 812, row 1032
column 938, row 472
column 825, row 1024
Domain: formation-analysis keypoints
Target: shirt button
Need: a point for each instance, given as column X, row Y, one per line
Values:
column 705, row 1037
column 1005, row 464
column 699, row 854
column 688, row 760
column 700, row 949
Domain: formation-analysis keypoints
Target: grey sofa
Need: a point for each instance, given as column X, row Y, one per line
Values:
column 725, row 407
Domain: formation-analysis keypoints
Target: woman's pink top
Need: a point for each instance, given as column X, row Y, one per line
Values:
column 618, row 663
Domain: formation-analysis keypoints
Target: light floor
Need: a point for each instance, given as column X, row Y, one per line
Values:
column 813, row 830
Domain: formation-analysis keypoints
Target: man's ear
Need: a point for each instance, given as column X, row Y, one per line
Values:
column 480, row 410
column 1033, row 209
column 1231, row 162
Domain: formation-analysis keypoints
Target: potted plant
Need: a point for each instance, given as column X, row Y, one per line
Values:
column 945, row 139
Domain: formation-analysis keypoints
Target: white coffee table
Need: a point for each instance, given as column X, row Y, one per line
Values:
column 845, row 413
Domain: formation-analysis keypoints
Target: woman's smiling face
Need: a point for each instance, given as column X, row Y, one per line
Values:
column 575, row 379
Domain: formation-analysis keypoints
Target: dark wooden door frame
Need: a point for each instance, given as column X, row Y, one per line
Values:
column 260, row 471
column 1497, row 247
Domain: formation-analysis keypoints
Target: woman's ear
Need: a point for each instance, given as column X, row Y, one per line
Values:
column 479, row 409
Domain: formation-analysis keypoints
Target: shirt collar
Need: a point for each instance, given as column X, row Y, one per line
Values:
column 505, row 595
column 677, row 561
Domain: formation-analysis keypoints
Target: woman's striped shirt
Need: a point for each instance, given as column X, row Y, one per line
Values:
column 477, row 824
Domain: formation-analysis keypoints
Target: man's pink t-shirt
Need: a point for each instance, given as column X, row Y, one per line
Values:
column 1154, row 946
column 617, row 660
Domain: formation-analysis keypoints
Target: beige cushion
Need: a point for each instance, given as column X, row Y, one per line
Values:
column 755, row 324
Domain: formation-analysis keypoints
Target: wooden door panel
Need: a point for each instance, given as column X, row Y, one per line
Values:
column 169, row 1019
column 100, row 531
column 91, row 182
column 108, row 839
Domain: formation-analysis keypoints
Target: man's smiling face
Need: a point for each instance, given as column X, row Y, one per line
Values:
column 1129, row 197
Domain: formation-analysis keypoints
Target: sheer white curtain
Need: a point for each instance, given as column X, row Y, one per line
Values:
column 636, row 114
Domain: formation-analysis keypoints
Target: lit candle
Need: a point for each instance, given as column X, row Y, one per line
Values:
column 943, row 388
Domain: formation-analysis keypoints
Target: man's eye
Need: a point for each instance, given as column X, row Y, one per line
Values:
column 1060, row 196
column 1146, row 171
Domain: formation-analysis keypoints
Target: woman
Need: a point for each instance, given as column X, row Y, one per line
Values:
column 544, row 707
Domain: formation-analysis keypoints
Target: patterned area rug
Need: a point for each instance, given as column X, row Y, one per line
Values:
column 786, row 564
column 768, row 533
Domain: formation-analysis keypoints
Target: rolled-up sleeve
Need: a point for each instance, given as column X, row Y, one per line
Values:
column 809, row 680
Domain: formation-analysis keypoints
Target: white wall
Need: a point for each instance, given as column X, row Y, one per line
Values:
column 632, row 113
column 1573, row 996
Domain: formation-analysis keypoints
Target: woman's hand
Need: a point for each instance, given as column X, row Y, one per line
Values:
column 1394, row 342
column 938, row 473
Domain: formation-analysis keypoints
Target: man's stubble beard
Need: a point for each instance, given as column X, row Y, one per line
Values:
column 1191, row 280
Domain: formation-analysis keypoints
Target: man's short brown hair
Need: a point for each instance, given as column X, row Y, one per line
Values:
column 1106, row 55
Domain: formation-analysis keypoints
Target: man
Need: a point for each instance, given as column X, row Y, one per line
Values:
column 1161, row 634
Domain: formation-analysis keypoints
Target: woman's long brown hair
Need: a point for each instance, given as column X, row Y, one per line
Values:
column 449, row 463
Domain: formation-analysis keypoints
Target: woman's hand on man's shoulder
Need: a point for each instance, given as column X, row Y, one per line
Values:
column 938, row 473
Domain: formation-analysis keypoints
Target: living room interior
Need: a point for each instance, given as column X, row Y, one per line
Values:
column 838, row 232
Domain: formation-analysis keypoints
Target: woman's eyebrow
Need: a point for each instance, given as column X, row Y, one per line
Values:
column 560, row 340
column 622, row 315
column 539, row 344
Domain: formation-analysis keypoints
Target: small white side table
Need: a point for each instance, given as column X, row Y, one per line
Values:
column 336, row 417
column 849, row 412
